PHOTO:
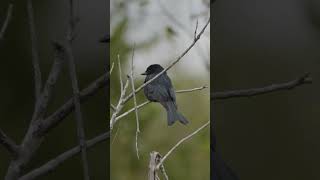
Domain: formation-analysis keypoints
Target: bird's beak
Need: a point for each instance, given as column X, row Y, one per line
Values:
column 144, row 73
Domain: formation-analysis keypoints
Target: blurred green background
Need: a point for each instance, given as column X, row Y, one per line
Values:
column 17, row 87
column 143, row 23
column 257, row 43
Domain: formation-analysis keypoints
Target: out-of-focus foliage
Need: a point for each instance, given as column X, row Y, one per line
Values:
column 192, row 159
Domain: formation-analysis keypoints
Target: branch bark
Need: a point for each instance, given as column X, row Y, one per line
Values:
column 9, row 144
column 54, row 163
column 61, row 113
column 305, row 79
column 34, row 49
column 31, row 143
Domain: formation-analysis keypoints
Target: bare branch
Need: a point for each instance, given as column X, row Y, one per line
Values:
column 305, row 79
column 191, row 90
column 76, row 99
column 59, row 115
column 172, row 63
column 6, row 21
column 8, row 144
column 180, row 142
column 54, row 163
column 154, row 160
column 42, row 104
column 120, row 73
column 76, row 92
column 147, row 102
column 163, row 171
column 135, row 102
column 119, row 105
column 34, row 49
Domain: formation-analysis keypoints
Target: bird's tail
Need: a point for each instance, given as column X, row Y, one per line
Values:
column 173, row 114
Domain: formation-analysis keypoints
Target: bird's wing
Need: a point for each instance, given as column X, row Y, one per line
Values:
column 156, row 92
column 170, row 90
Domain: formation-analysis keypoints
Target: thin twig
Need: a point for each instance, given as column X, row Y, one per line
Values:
column 112, row 107
column 120, row 73
column 9, row 144
column 147, row 102
column 195, row 31
column 55, row 162
column 305, row 79
column 180, row 142
column 135, row 102
column 116, row 134
column 163, row 171
column 111, row 69
column 34, row 49
column 6, row 21
column 172, row 63
column 191, row 90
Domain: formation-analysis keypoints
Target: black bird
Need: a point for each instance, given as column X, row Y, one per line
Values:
column 161, row 90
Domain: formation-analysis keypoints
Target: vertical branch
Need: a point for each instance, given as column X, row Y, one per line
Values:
column 35, row 55
column 154, row 160
column 120, row 73
column 119, row 106
column 135, row 103
column 76, row 100
column 76, row 94
column 6, row 21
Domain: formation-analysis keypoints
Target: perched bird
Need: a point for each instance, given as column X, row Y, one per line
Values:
column 161, row 90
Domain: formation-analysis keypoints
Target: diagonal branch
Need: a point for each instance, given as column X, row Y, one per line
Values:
column 147, row 102
column 59, row 115
column 34, row 49
column 179, row 143
column 6, row 21
column 54, row 163
column 305, row 79
column 135, row 102
column 8, row 143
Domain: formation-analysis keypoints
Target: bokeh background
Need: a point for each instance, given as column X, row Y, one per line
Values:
column 161, row 30
column 256, row 43
column 17, row 87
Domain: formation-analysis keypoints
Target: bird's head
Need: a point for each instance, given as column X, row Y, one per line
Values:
column 153, row 69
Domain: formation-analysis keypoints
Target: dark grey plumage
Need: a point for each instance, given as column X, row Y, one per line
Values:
column 161, row 90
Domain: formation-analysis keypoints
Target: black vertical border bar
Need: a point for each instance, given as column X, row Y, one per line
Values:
column 106, row 40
